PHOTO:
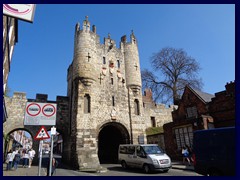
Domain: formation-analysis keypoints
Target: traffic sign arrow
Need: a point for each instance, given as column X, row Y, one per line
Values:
column 42, row 134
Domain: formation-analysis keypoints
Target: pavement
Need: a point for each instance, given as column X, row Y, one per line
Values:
column 33, row 171
column 179, row 165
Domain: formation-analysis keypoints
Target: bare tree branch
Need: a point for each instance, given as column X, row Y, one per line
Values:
column 176, row 70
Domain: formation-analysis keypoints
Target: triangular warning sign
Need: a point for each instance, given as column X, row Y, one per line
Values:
column 42, row 134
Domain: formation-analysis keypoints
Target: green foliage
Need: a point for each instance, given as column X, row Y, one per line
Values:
column 154, row 130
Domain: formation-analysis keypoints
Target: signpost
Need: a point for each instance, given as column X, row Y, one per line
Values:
column 53, row 132
column 42, row 114
column 42, row 134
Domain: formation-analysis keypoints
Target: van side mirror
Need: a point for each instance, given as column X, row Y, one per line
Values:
column 142, row 155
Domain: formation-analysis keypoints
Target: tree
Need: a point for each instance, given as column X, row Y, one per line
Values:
column 177, row 70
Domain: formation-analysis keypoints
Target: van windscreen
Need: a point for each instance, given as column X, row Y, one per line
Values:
column 152, row 150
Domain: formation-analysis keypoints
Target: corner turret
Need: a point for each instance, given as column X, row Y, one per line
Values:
column 85, row 57
column 132, row 64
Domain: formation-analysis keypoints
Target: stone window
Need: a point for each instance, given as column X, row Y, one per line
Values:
column 87, row 104
column 113, row 101
column 112, row 81
column 136, row 107
column 153, row 121
column 118, row 63
column 104, row 60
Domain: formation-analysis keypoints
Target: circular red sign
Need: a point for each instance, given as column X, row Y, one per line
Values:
column 48, row 110
column 33, row 109
column 17, row 9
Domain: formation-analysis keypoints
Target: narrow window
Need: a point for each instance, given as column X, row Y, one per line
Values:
column 118, row 63
column 112, row 81
column 113, row 101
column 153, row 121
column 104, row 60
column 87, row 103
column 136, row 107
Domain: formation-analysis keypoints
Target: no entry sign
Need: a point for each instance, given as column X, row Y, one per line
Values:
column 40, row 114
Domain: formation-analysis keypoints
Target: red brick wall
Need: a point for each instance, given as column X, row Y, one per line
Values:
column 222, row 107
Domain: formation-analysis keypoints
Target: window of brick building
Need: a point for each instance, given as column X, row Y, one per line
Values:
column 87, row 104
column 153, row 121
column 184, row 136
column 192, row 112
column 136, row 107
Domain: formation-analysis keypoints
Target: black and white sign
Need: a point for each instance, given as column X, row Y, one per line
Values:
column 40, row 114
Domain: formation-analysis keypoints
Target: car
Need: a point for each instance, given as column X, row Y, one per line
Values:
column 149, row 157
column 214, row 152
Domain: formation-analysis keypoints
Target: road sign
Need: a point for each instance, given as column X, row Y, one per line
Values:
column 42, row 134
column 43, row 114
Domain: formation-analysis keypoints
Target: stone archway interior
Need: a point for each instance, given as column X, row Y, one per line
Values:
column 110, row 136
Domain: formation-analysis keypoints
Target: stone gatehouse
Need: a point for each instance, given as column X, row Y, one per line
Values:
column 104, row 106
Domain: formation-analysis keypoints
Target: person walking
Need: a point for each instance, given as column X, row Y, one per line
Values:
column 8, row 160
column 190, row 153
column 25, row 158
column 54, row 166
column 31, row 154
column 185, row 155
column 16, row 160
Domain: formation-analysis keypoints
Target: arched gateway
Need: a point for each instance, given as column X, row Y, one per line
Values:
column 104, row 82
column 110, row 136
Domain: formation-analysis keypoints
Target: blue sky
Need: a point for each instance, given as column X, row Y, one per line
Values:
column 45, row 48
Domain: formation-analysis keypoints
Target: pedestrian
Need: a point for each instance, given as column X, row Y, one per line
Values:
column 54, row 166
column 31, row 154
column 185, row 155
column 16, row 160
column 8, row 160
column 25, row 158
column 190, row 153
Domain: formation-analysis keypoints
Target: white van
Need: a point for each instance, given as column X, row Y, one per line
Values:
column 149, row 157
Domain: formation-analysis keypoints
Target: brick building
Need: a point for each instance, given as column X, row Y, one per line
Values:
column 222, row 107
column 198, row 110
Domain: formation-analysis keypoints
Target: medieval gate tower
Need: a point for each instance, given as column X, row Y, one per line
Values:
column 104, row 106
column 105, row 99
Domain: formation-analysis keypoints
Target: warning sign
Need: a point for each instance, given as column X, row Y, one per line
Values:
column 42, row 134
column 40, row 114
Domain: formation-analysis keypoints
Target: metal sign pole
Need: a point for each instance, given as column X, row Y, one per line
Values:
column 51, row 157
column 40, row 157
column 53, row 132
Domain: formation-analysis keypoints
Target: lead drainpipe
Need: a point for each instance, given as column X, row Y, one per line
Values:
column 130, row 117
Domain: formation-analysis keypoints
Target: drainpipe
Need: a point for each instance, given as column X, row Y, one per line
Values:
column 130, row 117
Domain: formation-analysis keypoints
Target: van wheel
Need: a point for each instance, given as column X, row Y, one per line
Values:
column 166, row 170
column 146, row 168
column 214, row 172
column 124, row 165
